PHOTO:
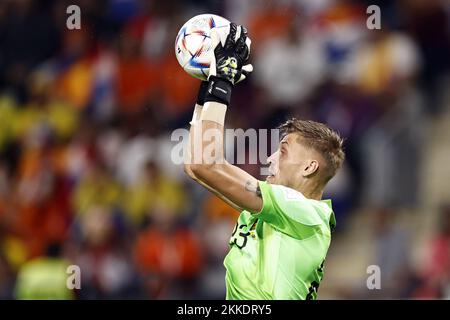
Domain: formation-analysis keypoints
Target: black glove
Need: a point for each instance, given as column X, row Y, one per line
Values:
column 228, row 65
column 202, row 93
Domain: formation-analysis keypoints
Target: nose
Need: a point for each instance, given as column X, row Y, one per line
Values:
column 272, row 158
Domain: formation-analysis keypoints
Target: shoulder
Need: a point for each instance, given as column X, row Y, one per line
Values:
column 295, row 205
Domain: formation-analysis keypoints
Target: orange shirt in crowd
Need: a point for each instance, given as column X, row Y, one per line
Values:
column 174, row 254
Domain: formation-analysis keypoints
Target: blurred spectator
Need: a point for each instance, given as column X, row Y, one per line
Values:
column 286, row 81
column 177, row 89
column 41, row 195
column 135, row 152
column 392, row 147
column 384, row 61
column 391, row 253
column 136, row 76
column 168, row 255
column 103, row 258
column 7, row 279
column 436, row 273
column 149, row 190
column 96, row 187
column 428, row 24
column 44, row 277
column 280, row 17
column 28, row 36
column 216, row 225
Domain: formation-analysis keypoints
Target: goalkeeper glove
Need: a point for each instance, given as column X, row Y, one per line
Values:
column 228, row 64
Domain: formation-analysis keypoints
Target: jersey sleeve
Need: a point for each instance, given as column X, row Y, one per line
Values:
column 288, row 211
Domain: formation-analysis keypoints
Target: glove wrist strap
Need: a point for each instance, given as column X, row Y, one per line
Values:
column 219, row 90
column 202, row 93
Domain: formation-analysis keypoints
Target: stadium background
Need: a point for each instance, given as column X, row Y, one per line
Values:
column 85, row 123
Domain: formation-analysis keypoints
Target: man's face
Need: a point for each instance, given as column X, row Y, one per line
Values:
column 289, row 161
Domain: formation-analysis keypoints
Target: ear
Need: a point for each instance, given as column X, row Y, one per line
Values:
column 312, row 166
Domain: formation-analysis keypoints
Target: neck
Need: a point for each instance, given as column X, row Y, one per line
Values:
column 310, row 190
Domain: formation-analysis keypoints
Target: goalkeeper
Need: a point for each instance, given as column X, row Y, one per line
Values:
column 281, row 238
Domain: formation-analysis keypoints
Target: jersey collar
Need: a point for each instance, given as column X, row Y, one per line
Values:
column 332, row 217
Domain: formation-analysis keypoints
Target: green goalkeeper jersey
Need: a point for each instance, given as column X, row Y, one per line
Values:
column 278, row 253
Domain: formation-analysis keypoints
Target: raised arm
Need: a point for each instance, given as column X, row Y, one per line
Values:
column 208, row 164
column 231, row 182
column 188, row 161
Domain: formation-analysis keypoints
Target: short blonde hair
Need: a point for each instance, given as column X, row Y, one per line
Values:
column 321, row 138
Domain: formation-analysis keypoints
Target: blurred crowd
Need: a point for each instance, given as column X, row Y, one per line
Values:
column 86, row 117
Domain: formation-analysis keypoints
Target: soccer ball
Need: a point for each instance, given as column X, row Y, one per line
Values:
column 193, row 44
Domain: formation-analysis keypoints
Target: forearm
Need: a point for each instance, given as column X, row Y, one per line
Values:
column 189, row 161
column 189, row 150
column 234, row 185
column 217, row 193
column 206, row 137
column 209, row 135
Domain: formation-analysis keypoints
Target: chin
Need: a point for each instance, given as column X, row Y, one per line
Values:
column 270, row 179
